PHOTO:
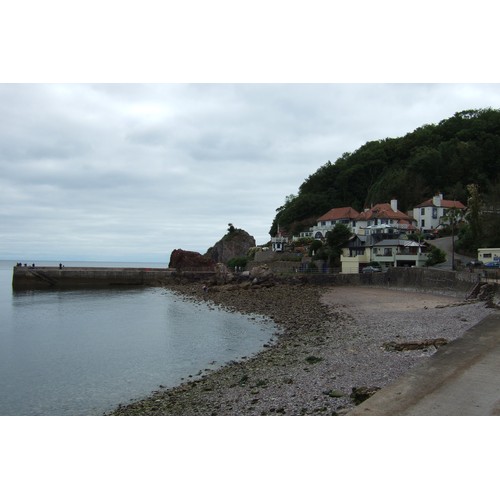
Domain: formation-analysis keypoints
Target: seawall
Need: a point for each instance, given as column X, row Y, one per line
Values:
column 460, row 284
column 446, row 282
column 29, row 278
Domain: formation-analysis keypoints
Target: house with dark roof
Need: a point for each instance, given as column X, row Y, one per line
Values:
column 431, row 214
column 383, row 245
column 399, row 253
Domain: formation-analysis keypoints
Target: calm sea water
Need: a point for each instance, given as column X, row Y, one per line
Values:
column 83, row 352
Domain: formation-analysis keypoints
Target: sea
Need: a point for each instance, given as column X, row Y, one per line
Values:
column 86, row 351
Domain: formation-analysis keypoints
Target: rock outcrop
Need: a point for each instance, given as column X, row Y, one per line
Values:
column 186, row 260
column 235, row 243
column 261, row 274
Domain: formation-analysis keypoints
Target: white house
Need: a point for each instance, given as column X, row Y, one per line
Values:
column 429, row 214
column 378, row 215
column 278, row 243
column 384, row 214
column 343, row 215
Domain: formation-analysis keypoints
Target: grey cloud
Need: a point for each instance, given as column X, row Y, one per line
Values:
column 131, row 171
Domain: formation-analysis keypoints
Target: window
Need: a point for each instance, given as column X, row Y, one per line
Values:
column 434, row 213
column 422, row 211
column 486, row 255
column 387, row 252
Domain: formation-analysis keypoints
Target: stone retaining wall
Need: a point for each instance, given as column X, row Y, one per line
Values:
column 447, row 282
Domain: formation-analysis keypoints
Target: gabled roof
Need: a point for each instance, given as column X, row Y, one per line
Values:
column 444, row 204
column 339, row 213
column 398, row 243
column 384, row 211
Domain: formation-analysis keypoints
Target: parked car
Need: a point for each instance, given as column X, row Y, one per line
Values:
column 371, row 269
column 495, row 263
column 474, row 263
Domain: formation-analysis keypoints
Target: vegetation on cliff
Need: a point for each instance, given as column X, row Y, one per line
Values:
column 235, row 244
column 445, row 157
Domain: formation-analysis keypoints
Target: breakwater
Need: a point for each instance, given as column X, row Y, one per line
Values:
column 28, row 278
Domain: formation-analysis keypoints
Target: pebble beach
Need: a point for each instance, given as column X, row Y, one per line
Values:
column 334, row 346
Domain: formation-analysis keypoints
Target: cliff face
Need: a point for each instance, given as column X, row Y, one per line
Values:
column 236, row 243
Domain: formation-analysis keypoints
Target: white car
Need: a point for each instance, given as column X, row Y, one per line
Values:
column 371, row 269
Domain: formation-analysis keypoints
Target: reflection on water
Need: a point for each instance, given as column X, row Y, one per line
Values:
column 83, row 352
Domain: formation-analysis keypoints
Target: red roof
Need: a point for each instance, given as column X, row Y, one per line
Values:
column 444, row 204
column 384, row 211
column 340, row 213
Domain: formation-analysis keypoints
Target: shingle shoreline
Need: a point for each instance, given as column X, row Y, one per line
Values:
column 332, row 340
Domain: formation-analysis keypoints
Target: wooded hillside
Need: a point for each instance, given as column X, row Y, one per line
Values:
column 443, row 157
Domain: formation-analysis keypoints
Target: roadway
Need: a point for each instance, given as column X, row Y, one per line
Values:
column 445, row 244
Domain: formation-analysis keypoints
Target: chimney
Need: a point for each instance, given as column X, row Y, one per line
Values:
column 436, row 200
column 394, row 205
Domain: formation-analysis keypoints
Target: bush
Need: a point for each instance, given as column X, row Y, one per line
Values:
column 314, row 247
column 237, row 262
column 435, row 256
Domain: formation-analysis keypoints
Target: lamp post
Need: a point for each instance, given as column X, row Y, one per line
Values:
column 453, row 244
column 420, row 235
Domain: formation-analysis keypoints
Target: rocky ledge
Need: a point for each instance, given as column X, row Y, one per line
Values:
column 331, row 353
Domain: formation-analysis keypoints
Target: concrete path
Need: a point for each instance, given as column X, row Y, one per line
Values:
column 462, row 378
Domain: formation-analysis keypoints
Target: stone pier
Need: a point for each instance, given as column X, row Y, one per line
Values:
column 28, row 278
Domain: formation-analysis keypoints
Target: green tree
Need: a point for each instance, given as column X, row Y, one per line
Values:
column 235, row 262
column 335, row 240
column 314, row 247
column 445, row 157
column 474, row 205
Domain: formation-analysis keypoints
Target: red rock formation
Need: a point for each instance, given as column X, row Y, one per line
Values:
column 186, row 260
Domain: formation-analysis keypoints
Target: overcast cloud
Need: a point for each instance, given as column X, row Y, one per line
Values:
column 131, row 172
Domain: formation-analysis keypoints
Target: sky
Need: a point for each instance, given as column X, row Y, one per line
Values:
column 130, row 172
column 240, row 107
